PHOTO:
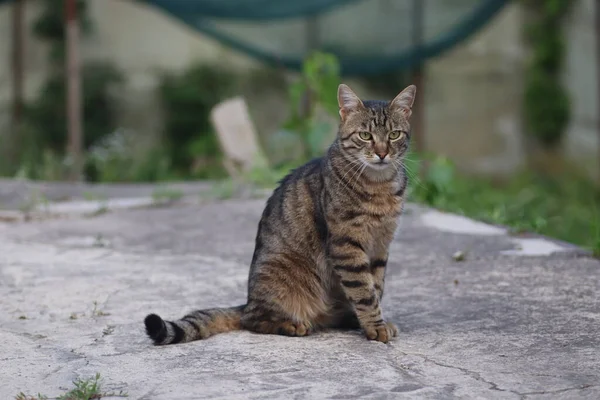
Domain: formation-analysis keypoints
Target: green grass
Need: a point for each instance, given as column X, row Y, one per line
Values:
column 564, row 207
column 83, row 389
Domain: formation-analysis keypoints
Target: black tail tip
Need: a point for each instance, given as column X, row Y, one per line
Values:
column 155, row 328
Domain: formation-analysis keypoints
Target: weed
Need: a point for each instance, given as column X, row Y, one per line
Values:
column 316, row 88
column 596, row 238
column 23, row 396
column 88, row 389
column 557, row 207
column 85, row 389
column 595, row 247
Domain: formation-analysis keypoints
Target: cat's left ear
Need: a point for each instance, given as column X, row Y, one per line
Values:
column 404, row 101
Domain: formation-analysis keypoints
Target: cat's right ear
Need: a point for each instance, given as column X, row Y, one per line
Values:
column 348, row 101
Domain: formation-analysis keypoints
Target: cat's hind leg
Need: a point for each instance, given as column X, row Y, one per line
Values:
column 261, row 319
column 286, row 297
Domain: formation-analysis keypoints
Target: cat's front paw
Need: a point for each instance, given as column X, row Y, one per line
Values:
column 383, row 332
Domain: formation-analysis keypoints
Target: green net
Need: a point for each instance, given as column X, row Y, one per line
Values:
column 368, row 36
column 246, row 10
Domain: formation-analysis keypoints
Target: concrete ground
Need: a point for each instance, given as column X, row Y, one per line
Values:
column 516, row 318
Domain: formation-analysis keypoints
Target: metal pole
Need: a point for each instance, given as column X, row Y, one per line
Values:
column 18, row 9
column 74, row 109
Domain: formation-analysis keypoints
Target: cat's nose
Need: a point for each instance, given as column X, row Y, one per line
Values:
column 381, row 154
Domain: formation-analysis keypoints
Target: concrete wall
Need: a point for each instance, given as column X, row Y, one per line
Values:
column 582, row 143
column 34, row 65
column 473, row 99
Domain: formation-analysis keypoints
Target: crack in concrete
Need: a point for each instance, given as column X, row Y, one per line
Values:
column 53, row 371
column 151, row 392
column 494, row 386
column 473, row 374
column 582, row 387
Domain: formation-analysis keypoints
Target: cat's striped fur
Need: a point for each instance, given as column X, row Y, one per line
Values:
column 322, row 243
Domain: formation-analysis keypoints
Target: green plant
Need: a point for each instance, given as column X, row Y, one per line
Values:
column 317, row 87
column 117, row 158
column 23, row 396
column 266, row 177
column 546, row 102
column 438, row 182
column 595, row 234
column 596, row 247
column 41, row 163
column 188, row 99
column 84, row 389
column 88, row 389
column 557, row 207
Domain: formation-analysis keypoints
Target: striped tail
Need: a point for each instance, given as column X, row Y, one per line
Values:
column 197, row 325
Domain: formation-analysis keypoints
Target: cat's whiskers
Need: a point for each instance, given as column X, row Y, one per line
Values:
column 361, row 171
column 412, row 175
column 355, row 166
column 347, row 184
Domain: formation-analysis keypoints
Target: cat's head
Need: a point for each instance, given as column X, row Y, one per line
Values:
column 376, row 133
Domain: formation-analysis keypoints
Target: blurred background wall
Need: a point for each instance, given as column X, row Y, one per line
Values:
column 472, row 97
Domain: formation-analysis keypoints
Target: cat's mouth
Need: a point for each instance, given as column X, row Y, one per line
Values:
column 380, row 164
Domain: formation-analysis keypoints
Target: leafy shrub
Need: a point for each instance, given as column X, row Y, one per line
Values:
column 562, row 206
column 187, row 100
column 112, row 160
column 47, row 114
column 317, row 87
column 546, row 103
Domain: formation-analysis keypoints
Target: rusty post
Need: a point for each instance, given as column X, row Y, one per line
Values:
column 17, row 65
column 73, row 78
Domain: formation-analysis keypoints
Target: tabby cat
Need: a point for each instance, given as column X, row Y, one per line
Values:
column 322, row 243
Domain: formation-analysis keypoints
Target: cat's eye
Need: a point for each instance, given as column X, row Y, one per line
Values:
column 365, row 135
column 396, row 135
